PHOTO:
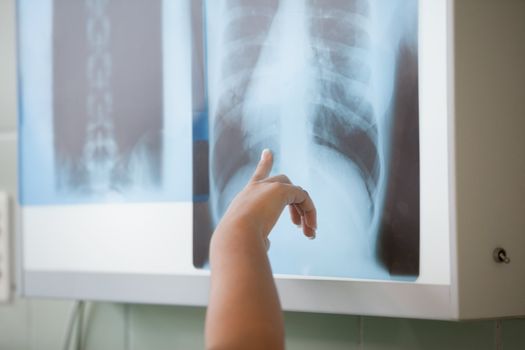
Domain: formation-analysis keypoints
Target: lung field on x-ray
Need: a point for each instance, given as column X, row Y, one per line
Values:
column 332, row 91
column 343, row 118
column 107, row 90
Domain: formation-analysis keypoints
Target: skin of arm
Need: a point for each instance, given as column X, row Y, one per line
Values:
column 244, row 311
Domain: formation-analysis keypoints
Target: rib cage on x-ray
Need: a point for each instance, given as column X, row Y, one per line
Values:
column 301, row 78
column 343, row 118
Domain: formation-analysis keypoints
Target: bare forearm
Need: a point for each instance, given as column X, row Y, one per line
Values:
column 244, row 310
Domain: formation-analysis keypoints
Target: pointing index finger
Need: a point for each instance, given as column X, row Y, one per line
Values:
column 264, row 167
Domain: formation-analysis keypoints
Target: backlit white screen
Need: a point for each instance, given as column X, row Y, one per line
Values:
column 140, row 120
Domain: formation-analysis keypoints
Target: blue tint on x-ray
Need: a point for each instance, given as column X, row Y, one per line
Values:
column 314, row 82
column 200, row 125
column 199, row 104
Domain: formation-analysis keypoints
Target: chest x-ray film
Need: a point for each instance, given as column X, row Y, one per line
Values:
column 331, row 87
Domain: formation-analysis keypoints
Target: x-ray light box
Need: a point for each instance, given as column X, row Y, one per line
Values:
column 140, row 120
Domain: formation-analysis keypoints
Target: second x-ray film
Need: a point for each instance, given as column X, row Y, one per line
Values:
column 331, row 87
column 107, row 127
column 98, row 126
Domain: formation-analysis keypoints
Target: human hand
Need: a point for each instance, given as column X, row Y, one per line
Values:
column 242, row 284
column 258, row 206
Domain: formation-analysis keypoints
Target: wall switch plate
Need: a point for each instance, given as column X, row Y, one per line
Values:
column 5, row 273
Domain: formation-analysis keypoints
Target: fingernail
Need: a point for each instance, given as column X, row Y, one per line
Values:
column 265, row 153
column 312, row 237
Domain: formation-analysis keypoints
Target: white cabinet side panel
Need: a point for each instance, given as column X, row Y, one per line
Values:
column 490, row 155
column 5, row 244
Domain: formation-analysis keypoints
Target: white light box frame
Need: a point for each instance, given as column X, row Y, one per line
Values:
column 471, row 203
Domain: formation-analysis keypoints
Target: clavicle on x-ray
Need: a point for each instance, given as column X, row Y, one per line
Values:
column 331, row 87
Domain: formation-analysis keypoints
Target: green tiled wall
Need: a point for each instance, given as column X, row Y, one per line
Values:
column 40, row 324
column 383, row 333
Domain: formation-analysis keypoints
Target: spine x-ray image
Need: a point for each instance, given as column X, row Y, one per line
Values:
column 331, row 87
column 107, row 90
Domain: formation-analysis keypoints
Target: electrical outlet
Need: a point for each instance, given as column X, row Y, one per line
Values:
column 5, row 273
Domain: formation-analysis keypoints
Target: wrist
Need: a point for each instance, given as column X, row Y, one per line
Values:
column 237, row 232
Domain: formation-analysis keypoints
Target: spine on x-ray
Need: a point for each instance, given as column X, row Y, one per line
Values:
column 100, row 149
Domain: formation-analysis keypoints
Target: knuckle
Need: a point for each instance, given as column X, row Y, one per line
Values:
column 284, row 178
